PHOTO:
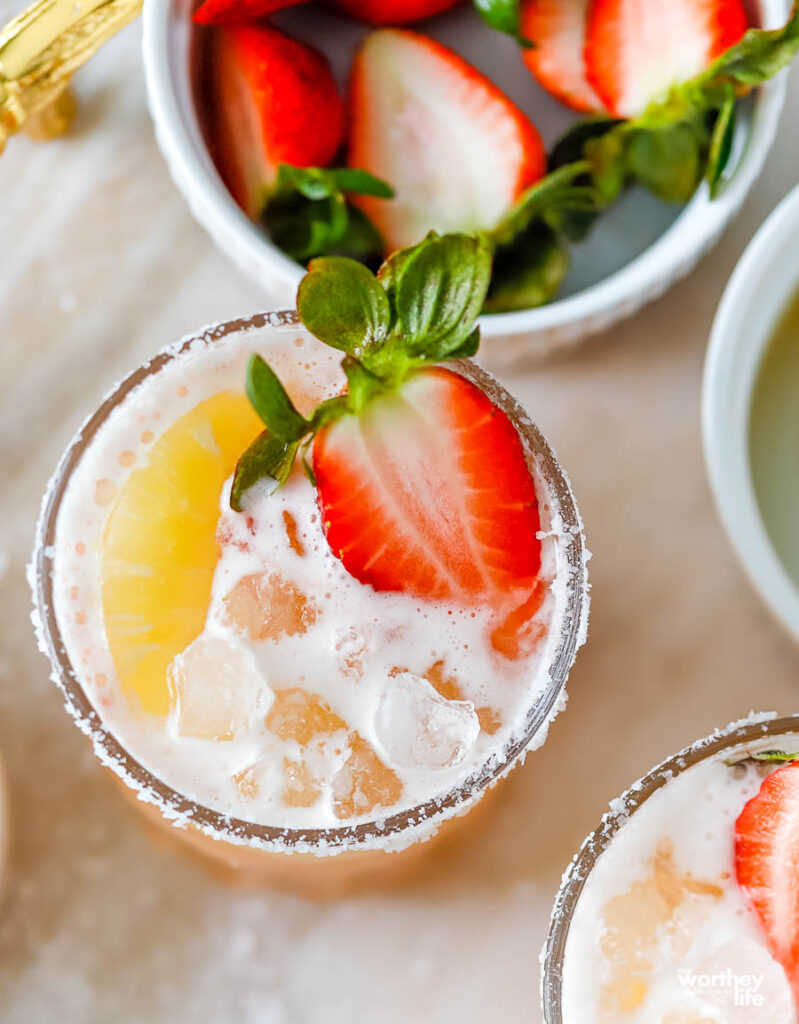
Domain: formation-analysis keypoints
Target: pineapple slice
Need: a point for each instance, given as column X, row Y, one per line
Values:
column 159, row 548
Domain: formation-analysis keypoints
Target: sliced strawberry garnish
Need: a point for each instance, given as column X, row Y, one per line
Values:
column 276, row 102
column 456, row 150
column 767, row 864
column 637, row 49
column 392, row 12
column 422, row 482
column 428, row 492
column 557, row 29
column 224, row 12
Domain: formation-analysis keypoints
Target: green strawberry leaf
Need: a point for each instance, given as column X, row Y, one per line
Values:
column 269, row 399
column 668, row 161
column 607, row 157
column 565, row 189
column 468, row 348
column 267, row 457
column 309, row 213
column 504, row 16
column 757, row 57
column 764, row 757
column 319, row 183
column 527, row 272
column 439, row 290
column 342, row 304
column 571, row 147
column 721, row 144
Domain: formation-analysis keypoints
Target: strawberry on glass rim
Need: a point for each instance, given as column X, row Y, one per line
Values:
column 422, row 482
column 767, row 861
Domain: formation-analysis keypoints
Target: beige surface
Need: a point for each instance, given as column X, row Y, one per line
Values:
column 100, row 264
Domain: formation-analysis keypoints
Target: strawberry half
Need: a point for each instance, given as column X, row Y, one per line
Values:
column 454, row 147
column 391, row 12
column 767, row 864
column 422, row 482
column 427, row 491
column 557, row 28
column 636, row 50
column 276, row 102
column 224, row 12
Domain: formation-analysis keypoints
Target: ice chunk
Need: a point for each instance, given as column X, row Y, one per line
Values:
column 246, row 782
column 301, row 787
column 449, row 686
column 489, row 719
column 266, row 606
column 363, row 782
column 653, row 912
column 215, row 687
column 419, row 729
column 299, row 715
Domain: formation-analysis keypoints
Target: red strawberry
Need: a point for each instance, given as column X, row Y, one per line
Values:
column 637, row 49
column 557, row 27
column 391, row 12
column 427, row 491
column 767, row 863
column 276, row 102
column 455, row 149
column 223, row 12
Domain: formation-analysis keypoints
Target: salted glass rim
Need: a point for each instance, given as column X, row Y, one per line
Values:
column 183, row 810
column 736, row 735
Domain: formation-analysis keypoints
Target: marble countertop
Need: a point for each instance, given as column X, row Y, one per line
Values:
column 100, row 265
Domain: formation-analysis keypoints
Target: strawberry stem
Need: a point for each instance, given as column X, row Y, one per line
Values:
column 421, row 308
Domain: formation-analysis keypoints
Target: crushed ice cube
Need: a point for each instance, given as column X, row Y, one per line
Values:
column 301, row 716
column 449, row 686
column 267, row 606
column 246, row 782
column 419, row 729
column 215, row 687
column 363, row 782
column 301, row 787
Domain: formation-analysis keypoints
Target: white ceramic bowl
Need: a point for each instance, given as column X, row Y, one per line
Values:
column 764, row 282
column 639, row 250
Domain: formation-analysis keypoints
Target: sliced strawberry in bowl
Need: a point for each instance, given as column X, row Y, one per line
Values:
column 428, row 492
column 275, row 102
column 225, row 12
column 557, row 29
column 456, row 150
column 636, row 50
column 767, row 864
column 391, row 12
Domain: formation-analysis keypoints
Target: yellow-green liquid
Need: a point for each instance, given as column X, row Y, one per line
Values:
column 774, row 439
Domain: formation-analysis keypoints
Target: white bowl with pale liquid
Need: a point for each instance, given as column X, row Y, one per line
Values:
column 760, row 292
column 635, row 254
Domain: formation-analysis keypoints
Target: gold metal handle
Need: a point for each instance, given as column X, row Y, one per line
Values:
column 41, row 49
